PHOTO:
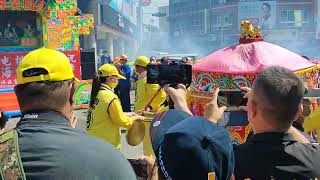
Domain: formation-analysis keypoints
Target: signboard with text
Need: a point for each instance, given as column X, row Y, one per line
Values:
column 260, row 13
column 9, row 63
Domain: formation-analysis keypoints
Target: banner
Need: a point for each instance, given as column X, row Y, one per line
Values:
column 9, row 102
column 9, row 63
column 260, row 13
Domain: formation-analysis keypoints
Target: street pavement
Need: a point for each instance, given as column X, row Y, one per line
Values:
column 126, row 150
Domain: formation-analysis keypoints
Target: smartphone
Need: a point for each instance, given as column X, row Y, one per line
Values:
column 232, row 99
column 163, row 74
column 139, row 167
column 234, row 118
column 312, row 94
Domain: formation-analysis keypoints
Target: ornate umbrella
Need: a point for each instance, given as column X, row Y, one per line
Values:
column 238, row 65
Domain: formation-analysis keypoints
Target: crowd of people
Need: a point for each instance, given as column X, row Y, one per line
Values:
column 48, row 146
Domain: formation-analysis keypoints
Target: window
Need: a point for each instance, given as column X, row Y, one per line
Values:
column 222, row 1
column 195, row 22
column 306, row 16
column 179, row 26
column 294, row 18
column 287, row 16
column 221, row 21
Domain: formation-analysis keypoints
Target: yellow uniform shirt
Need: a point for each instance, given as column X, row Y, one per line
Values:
column 312, row 123
column 152, row 95
column 106, row 117
column 144, row 94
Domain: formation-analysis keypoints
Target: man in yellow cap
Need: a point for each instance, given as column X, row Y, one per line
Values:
column 45, row 143
column 149, row 97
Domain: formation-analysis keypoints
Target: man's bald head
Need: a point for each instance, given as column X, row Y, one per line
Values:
column 278, row 92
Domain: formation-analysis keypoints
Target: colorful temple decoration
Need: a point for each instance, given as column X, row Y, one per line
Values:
column 237, row 66
column 60, row 25
column 311, row 123
column 30, row 24
column 82, row 95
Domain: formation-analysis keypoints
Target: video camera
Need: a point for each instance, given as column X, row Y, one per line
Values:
column 171, row 74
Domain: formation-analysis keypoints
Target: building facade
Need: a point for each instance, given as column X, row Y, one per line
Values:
column 164, row 25
column 115, row 27
column 155, row 41
column 213, row 24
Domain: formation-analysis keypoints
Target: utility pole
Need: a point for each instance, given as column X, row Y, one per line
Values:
column 140, row 24
column 205, row 20
column 222, row 35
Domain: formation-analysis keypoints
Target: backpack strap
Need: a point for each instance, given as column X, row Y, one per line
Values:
column 107, row 89
column 10, row 160
column 153, row 98
column 109, row 105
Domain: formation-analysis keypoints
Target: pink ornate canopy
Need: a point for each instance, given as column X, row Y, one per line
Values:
column 251, row 58
column 237, row 66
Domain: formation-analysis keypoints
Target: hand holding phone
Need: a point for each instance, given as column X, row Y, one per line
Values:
column 212, row 111
column 232, row 99
column 178, row 96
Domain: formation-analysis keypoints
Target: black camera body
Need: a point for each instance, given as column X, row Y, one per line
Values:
column 172, row 74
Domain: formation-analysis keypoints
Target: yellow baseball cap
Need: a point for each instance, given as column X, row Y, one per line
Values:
column 142, row 61
column 110, row 70
column 44, row 65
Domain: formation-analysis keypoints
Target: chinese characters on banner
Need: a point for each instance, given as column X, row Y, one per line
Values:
column 9, row 63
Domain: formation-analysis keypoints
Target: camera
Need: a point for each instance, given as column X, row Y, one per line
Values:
column 172, row 74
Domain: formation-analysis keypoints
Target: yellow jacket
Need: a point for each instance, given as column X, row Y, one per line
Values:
column 312, row 123
column 106, row 117
column 144, row 94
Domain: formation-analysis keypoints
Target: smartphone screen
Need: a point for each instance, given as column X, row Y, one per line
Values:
column 169, row 74
column 232, row 99
column 234, row 118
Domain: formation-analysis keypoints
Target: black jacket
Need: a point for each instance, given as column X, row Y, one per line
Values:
column 51, row 149
column 276, row 156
